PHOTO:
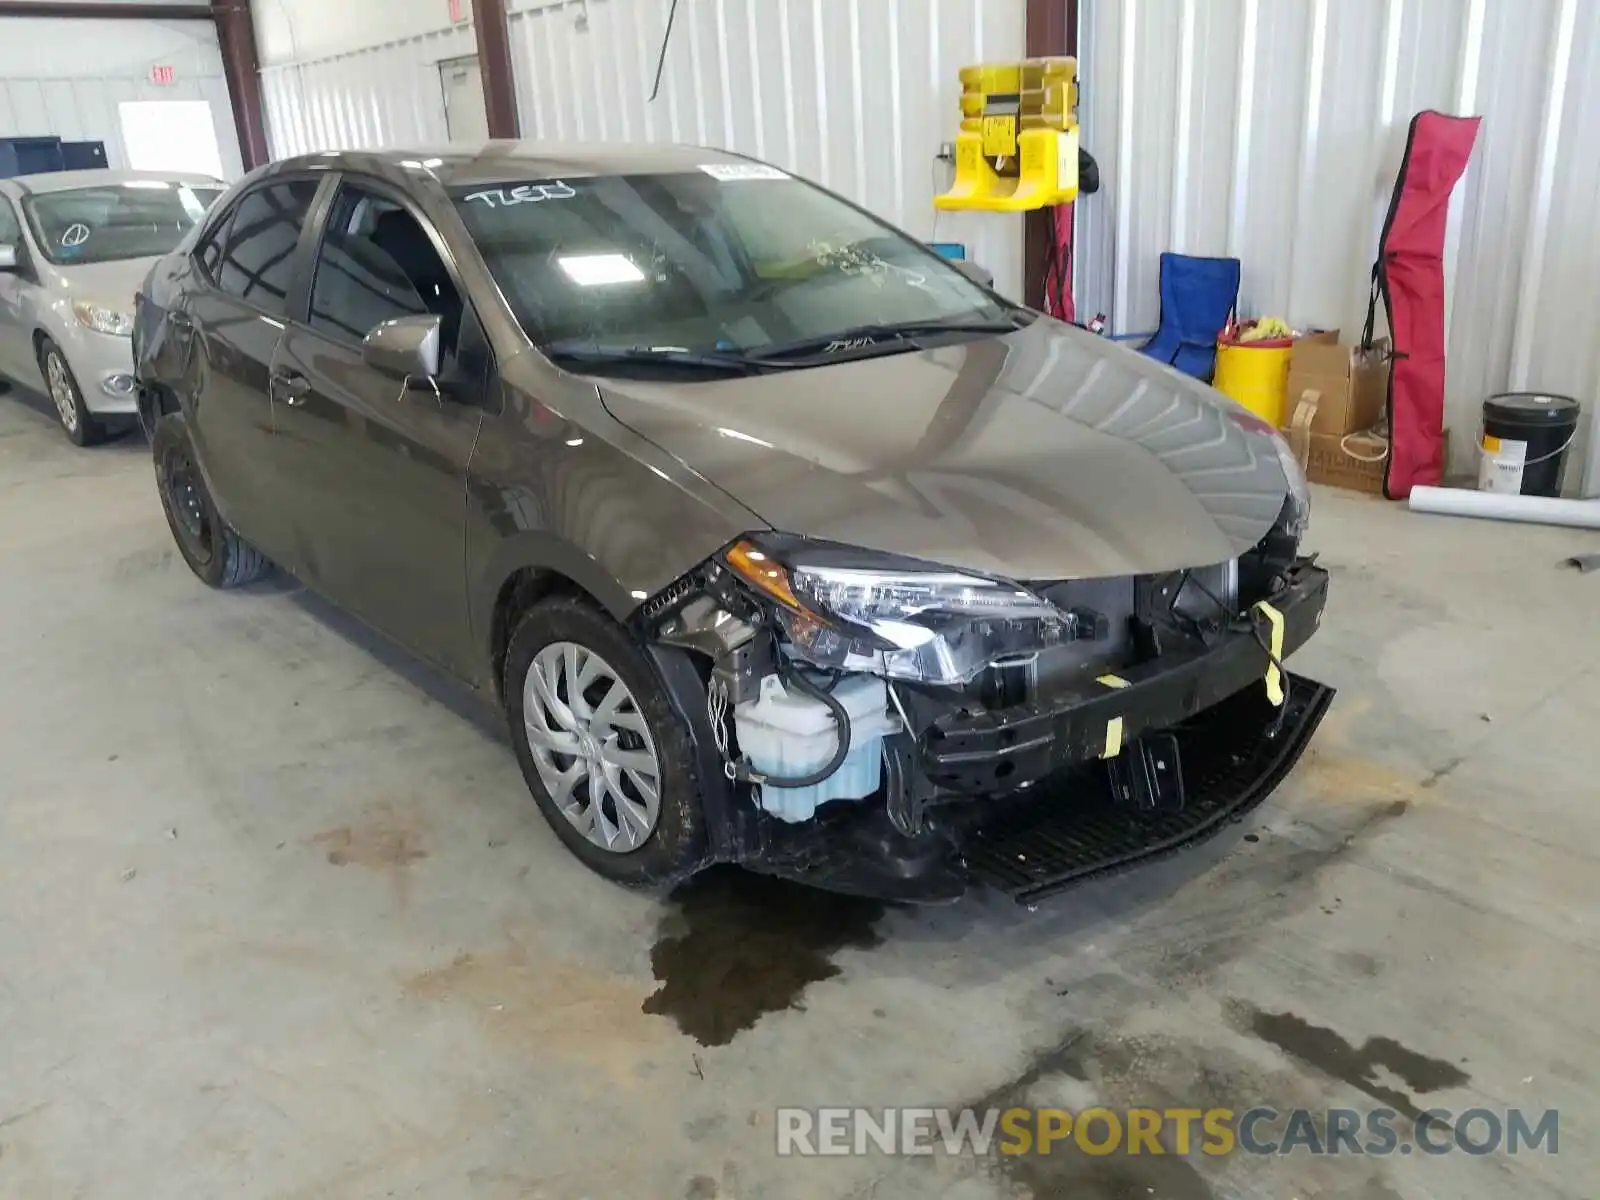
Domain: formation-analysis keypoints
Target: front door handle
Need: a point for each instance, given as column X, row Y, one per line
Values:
column 290, row 386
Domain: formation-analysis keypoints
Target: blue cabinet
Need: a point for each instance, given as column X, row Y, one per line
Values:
column 29, row 156
column 39, row 155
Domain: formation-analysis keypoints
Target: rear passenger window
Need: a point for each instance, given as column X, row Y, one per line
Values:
column 259, row 263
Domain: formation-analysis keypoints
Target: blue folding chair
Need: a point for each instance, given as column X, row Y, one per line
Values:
column 1198, row 295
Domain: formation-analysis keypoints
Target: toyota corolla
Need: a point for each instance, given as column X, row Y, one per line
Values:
column 779, row 539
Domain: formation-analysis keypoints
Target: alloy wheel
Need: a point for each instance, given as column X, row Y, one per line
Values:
column 61, row 390
column 592, row 747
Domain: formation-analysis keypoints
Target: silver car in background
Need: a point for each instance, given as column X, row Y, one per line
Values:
column 74, row 248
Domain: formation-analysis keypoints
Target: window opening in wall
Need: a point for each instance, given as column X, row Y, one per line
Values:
column 170, row 135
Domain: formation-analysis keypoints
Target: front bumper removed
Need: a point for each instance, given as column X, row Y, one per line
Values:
column 1233, row 757
column 984, row 752
column 1065, row 830
column 1036, row 797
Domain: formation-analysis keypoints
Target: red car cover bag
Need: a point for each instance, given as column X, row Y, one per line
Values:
column 1409, row 274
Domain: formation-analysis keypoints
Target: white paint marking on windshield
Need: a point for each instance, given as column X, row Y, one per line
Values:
column 75, row 234
column 852, row 260
column 523, row 193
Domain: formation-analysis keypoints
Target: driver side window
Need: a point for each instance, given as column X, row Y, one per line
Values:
column 10, row 226
column 377, row 263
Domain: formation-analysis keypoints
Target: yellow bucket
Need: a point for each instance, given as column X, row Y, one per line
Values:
column 1257, row 376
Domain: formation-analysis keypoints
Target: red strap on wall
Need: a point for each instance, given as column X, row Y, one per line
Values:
column 1058, row 266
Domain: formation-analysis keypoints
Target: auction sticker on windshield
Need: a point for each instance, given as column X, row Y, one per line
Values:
column 739, row 172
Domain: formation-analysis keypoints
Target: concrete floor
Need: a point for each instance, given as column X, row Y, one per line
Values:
column 277, row 917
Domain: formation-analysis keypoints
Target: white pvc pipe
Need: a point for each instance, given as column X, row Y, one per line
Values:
column 1499, row 506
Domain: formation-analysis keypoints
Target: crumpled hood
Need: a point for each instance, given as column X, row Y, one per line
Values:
column 1045, row 454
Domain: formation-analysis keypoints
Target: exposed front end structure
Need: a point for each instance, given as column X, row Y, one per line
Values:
column 906, row 730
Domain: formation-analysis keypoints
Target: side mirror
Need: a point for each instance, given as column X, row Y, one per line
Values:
column 8, row 257
column 979, row 275
column 405, row 348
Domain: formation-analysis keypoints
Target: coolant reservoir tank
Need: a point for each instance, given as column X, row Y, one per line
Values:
column 787, row 733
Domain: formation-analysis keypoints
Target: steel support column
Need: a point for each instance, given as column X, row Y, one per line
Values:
column 1052, row 30
column 494, row 65
column 236, row 38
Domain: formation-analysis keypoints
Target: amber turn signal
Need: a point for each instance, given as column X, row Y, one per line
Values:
column 760, row 570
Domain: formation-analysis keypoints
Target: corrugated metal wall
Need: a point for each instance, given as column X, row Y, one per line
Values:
column 855, row 94
column 297, row 31
column 1272, row 131
column 385, row 95
column 66, row 77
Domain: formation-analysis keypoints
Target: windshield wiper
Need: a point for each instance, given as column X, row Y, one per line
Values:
column 665, row 356
column 901, row 335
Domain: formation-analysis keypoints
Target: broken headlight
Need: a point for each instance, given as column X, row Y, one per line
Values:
column 1297, row 507
column 854, row 611
column 1296, row 514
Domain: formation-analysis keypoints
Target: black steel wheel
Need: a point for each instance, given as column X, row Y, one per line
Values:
column 214, row 552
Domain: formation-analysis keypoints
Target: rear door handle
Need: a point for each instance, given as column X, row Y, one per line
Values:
column 290, row 386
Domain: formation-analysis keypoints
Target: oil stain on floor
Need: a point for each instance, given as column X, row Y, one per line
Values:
column 1112, row 1177
column 1332, row 1054
column 735, row 946
column 1066, row 1171
column 383, row 841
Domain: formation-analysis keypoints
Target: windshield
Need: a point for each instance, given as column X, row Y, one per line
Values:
column 725, row 258
column 140, row 219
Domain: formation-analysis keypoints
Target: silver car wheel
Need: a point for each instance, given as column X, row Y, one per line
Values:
column 591, row 746
column 61, row 390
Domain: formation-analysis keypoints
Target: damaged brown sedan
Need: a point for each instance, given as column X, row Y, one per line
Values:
column 780, row 540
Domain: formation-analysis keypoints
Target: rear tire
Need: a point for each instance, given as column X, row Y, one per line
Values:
column 616, row 726
column 61, row 385
column 214, row 552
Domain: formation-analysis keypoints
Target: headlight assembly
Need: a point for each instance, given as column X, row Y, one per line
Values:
column 1299, row 502
column 904, row 622
column 103, row 320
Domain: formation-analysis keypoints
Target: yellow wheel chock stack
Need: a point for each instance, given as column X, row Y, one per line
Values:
column 1018, row 145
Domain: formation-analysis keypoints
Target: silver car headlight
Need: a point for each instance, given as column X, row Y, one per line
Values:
column 103, row 320
column 907, row 621
column 1297, row 504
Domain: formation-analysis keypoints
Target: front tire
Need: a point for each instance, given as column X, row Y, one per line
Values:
column 604, row 753
column 214, row 552
column 77, row 422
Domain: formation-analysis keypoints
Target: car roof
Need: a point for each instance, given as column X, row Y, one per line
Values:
column 507, row 161
column 61, row 181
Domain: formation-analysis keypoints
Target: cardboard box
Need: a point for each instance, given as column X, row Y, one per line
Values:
column 1355, row 461
column 1347, row 460
column 1352, row 386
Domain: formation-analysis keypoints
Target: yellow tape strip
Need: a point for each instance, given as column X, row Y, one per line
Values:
column 1274, row 676
column 1113, row 726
